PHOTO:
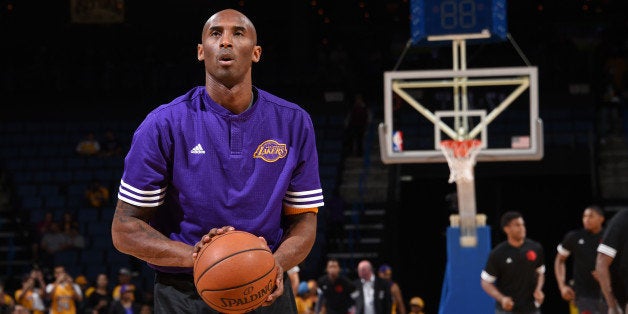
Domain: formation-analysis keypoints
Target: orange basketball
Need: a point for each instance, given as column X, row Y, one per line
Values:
column 235, row 272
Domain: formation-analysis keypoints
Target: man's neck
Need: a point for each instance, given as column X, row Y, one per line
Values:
column 236, row 99
column 516, row 242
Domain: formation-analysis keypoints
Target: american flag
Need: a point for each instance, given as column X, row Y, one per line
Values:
column 521, row 142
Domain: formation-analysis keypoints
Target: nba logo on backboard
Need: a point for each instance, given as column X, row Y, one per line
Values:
column 397, row 141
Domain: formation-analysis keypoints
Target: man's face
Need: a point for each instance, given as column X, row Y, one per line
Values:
column 592, row 219
column 128, row 295
column 516, row 229
column 124, row 278
column 387, row 274
column 228, row 48
column 59, row 271
column 102, row 280
column 364, row 271
column 333, row 269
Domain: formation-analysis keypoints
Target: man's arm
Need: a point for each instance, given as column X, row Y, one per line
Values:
column 78, row 294
column 505, row 301
column 397, row 296
column 560, row 272
column 132, row 235
column 294, row 247
column 602, row 265
column 491, row 290
column 297, row 241
column 539, row 295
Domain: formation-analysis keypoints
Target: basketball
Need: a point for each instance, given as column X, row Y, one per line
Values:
column 235, row 272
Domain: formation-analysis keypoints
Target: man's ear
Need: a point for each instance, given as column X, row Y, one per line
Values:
column 200, row 55
column 257, row 54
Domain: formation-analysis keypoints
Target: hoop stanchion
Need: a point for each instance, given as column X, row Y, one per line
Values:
column 461, row 157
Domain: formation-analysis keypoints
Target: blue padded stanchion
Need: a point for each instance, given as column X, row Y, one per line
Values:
column 461, row 292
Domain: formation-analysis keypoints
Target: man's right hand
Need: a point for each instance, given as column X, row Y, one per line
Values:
column 507, row 303
column 567, row 293
column 208, row 237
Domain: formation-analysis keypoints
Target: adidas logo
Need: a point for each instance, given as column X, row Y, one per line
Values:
column 198, row 149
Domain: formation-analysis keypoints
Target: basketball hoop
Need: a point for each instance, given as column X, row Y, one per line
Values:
column 461, row 156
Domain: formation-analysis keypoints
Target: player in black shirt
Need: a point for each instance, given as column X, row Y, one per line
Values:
column 515, row 272
column 334, row 290
column 611, row 265
column 581, row 245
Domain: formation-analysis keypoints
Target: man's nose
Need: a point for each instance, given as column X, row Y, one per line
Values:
column 226, row 41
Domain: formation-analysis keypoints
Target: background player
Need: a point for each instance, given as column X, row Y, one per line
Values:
column 581, row 245
column 515, row 272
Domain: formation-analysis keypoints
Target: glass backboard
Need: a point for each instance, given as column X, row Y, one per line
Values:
column 498, row 106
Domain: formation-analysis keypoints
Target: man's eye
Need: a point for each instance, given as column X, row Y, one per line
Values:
column 215, row 33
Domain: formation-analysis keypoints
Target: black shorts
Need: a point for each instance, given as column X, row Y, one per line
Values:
column 176, row 293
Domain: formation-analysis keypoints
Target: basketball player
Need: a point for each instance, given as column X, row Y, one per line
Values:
column 514, row 273
column 581, row 245
column 223, row 156
column 611, row 266
column 334, row 290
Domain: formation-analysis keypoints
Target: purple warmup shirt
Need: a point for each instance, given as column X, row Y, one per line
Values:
column 205, row 167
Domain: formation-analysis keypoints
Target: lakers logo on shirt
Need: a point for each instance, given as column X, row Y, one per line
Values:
column 271, row 151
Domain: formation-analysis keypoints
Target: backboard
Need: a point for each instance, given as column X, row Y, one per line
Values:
column 498, row 106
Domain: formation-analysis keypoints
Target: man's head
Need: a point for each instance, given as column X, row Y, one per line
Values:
column 365, row 270
column 58, row 271
column 593, row 218
column 513, row 225
column 124, row 275
column 228, row 48
column 333, row 268
column 102, row 280
column 127, row 292
column 61, row 275
column 385, row 272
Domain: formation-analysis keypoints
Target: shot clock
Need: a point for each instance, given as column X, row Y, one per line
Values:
column 434, row 18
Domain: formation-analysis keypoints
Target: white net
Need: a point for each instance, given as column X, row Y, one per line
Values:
column 461, row 160
column 461, row 157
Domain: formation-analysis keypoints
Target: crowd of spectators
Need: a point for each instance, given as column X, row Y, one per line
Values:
column 56, row 291
column 56, row 236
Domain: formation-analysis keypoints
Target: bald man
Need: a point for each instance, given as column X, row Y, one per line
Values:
column 223, row 156
column 372, row 294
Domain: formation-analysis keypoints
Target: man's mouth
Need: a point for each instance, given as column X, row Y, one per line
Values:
column 225, row 59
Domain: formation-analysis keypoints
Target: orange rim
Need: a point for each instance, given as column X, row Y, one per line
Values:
column 460, row 148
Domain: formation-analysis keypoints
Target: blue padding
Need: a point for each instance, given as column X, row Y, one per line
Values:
column 461, row 291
